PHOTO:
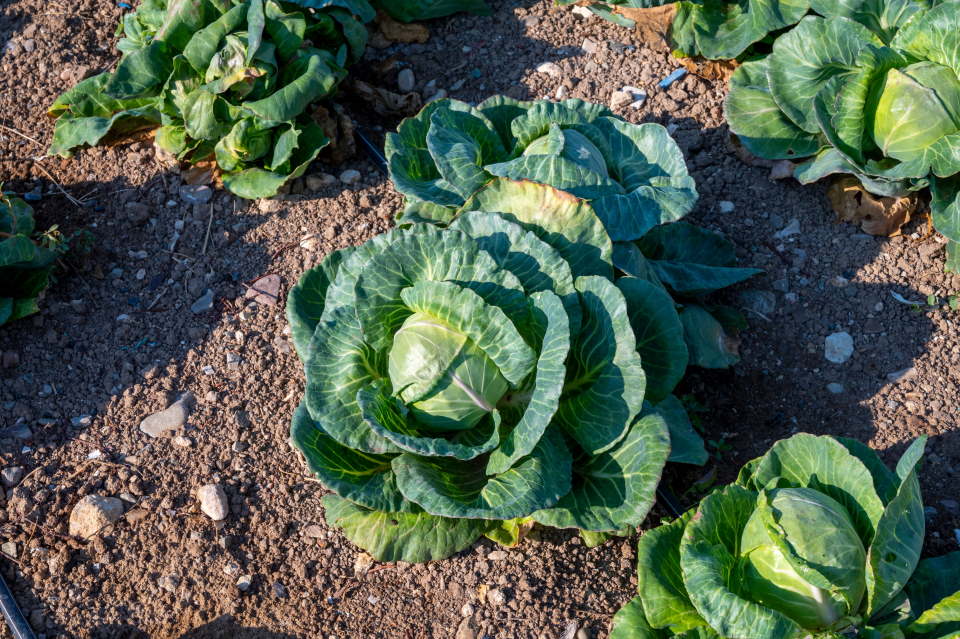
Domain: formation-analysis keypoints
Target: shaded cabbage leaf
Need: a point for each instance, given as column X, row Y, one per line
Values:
column 27, row 259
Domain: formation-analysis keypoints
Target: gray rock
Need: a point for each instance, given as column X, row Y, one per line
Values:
column 726, row 206
column 835, row 388
column 195, row 193
column 838, row 347
column 94, row 513
column 279, row 590
column 171, row 418
column 243, row 583
column 550, row 68
column 496, row 597
column 951, row 506
column 203, row 304
column 590, row 46
column 350, row 176
column 313, row 531
column 9, row 548
column 466, row 629
column 497, row 555
column 20, row 431
column 138, row 212
column 169, row 582
column 902, row 375
column 11, row 475
column 213, row 501
column 761, row 303
column 320, row 181
column 793, row 228
column 406, row 81
column 265, row 291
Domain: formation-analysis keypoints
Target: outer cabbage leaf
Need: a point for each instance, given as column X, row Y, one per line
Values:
column 413, row 10
column 402, row 536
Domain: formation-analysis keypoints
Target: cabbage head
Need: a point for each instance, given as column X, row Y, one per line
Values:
column 472, row 378
column 880, row 104
column 817, row 538
column 634, row 175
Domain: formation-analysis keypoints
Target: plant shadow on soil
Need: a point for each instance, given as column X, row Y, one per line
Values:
column 224, row 627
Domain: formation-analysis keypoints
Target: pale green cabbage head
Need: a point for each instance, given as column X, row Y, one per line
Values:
column 819, row 531
column 918, row 105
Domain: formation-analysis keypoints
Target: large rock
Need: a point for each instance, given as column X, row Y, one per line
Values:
column 94, row 513
column 170, row 419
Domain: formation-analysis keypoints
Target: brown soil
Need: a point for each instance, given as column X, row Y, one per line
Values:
column 117, row 341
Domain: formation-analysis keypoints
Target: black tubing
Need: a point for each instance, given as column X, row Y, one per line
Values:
column 372, row 150
column 16, row 622
column 669, row 501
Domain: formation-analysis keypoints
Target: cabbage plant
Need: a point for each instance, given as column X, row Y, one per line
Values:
column 225, row 80
column 846, row 99
column 471, row 378
column 817, row 538
column 27, row 259
column 727, row 29
column 633, row 175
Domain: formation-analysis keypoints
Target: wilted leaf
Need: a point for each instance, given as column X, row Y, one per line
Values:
column 653, row 23
column 386, row 102
column 875, row 215
column 201, row 172
column 400, row 32
column 710, row 69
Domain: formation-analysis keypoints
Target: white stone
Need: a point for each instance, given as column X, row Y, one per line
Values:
column 406, row 81
column 213, row 501
column 169, row 419
column 550, row 68
column 94, row 513
column 838, row 347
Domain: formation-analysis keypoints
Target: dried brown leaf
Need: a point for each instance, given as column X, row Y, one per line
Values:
column 875, row 215
column 651, row 24
column 710, row 69
column 386, row 102
column 400, row 32
column 200, row 173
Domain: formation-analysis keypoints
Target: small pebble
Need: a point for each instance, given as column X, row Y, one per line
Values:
column 838, row 347
column 11, row 476
column 550, row 68
column 835, row 388
column 243, row 583
column 213, row 501
column 350, row 176
column 406, row 81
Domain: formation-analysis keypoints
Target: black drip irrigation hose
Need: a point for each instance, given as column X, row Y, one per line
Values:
column 372, row 150
column 16, row 622
column 669, row 501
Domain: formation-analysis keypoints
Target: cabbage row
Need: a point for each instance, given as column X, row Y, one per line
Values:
column 817, row 538
column 27, row 259
column 473, row 374
column 229, row 80
column 880, row 105
column 726, row 29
